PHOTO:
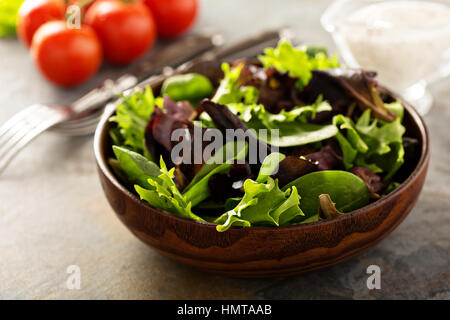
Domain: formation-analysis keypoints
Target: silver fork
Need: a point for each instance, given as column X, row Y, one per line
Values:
column 22, row 128
column 76, row 119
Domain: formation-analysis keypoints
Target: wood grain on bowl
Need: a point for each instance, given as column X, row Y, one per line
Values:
column 264, row 252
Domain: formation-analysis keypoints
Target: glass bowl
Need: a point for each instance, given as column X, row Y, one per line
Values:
column 406, row 42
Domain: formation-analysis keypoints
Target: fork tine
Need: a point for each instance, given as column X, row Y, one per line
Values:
column 8, row 153
column 20, row 125
column 20, row 129
column 17, row 118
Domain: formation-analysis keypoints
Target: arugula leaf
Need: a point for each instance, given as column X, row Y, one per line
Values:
column 163, row 194
column 8, row 16
column 131, row 116
column 137, row 168
column 296, row 61
column 263, row 204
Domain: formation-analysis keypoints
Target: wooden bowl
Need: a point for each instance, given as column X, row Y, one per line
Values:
column 258, row 252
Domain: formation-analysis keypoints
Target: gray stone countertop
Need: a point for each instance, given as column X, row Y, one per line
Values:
column 53, row 212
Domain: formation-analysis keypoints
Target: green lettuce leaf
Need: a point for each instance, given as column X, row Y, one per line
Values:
column 296, row 61
column 372, row 143
column 220, row 163
column 137, row 167
column 231, row 91
column 263, row 204
column 230, row 151
column 131, row 116
column 200, row 190
column 379, row 135
column 163, row 194
column 351, row 143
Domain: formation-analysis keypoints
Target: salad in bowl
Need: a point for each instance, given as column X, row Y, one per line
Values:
column 284, row 139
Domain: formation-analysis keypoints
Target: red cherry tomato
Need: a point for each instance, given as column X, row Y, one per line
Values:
column 66, row 56
column 126, row 30
column 173, row 17
column 34, row 13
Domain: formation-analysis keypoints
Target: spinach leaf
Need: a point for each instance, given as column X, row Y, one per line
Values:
column 220, row 163
column 230, row 151
column 138, row 168
column 346, row 189
column 200, row 190
column 263, row 204
column 294, row 130
column 163, row 194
